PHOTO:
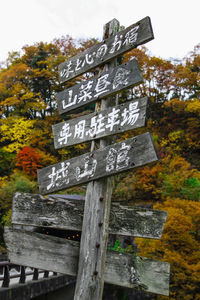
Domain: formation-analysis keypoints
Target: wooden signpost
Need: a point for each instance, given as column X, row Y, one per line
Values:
column 90, row 260
column 54, row 212
column 121, row 118
column 61, row 255
column 99, row 87
column 113, row 159
column 113, row 45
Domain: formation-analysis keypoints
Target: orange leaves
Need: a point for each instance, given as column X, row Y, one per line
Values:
column 178, row 164
column 172, row 176
column 179, row 245
column 29, row 161
column 184, row 76
column 181, row 230
column 147, row 177
column 141, row 185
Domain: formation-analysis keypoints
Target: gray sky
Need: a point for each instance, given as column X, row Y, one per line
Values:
column 176, row 23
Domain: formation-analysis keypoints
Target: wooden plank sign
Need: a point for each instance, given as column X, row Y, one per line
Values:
column 61, row 255
column 98, row 87
column 121, row 118
column 54, row 212
column 131, row 37
column 113, row 159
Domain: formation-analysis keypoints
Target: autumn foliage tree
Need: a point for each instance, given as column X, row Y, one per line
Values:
column 29, row 161
column 180, row 246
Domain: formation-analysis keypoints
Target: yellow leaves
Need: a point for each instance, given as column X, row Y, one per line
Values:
column 183, row 127
column 193, row 125
column 14, row 74
column 184, row 77
column 22, row 99
column 18, row 88
column 28, row 96
column 46, row 158
column 27, row 85
column 176, row 105
column 41, row 73
column 3, row 180
column 15, row 132
column 80, row 146
column 180, row 127
column 10, row 101
column 33, row 102
column 177, row 231
column 141, row 55
column 178, row 163
column 175, row 136
column 186, row 210
column 193, row 106
column 179, row 167
column 174, row 141
column 64, row 153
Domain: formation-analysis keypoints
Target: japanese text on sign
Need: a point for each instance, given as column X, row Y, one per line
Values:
column 126, row 116
column 131, row 37
column 112, row 159
column 108, row 83
column 120, row 40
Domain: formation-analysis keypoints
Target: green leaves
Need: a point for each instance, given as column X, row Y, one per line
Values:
column 191, row 189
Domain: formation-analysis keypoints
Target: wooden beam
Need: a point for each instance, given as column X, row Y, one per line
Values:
column 39, row 211
column 60, row 255
column 108, row 83
column 118, row 119
column 113, row 159
column 94, row 237
column 111, row 47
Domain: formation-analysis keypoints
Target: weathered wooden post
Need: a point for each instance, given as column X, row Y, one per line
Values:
column 91, row 260
column 93, row 247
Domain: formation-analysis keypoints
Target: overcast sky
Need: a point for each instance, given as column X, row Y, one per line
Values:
column 176, row 23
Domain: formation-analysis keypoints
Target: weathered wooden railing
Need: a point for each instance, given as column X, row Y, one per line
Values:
column 18, row 282
column 6, row 275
